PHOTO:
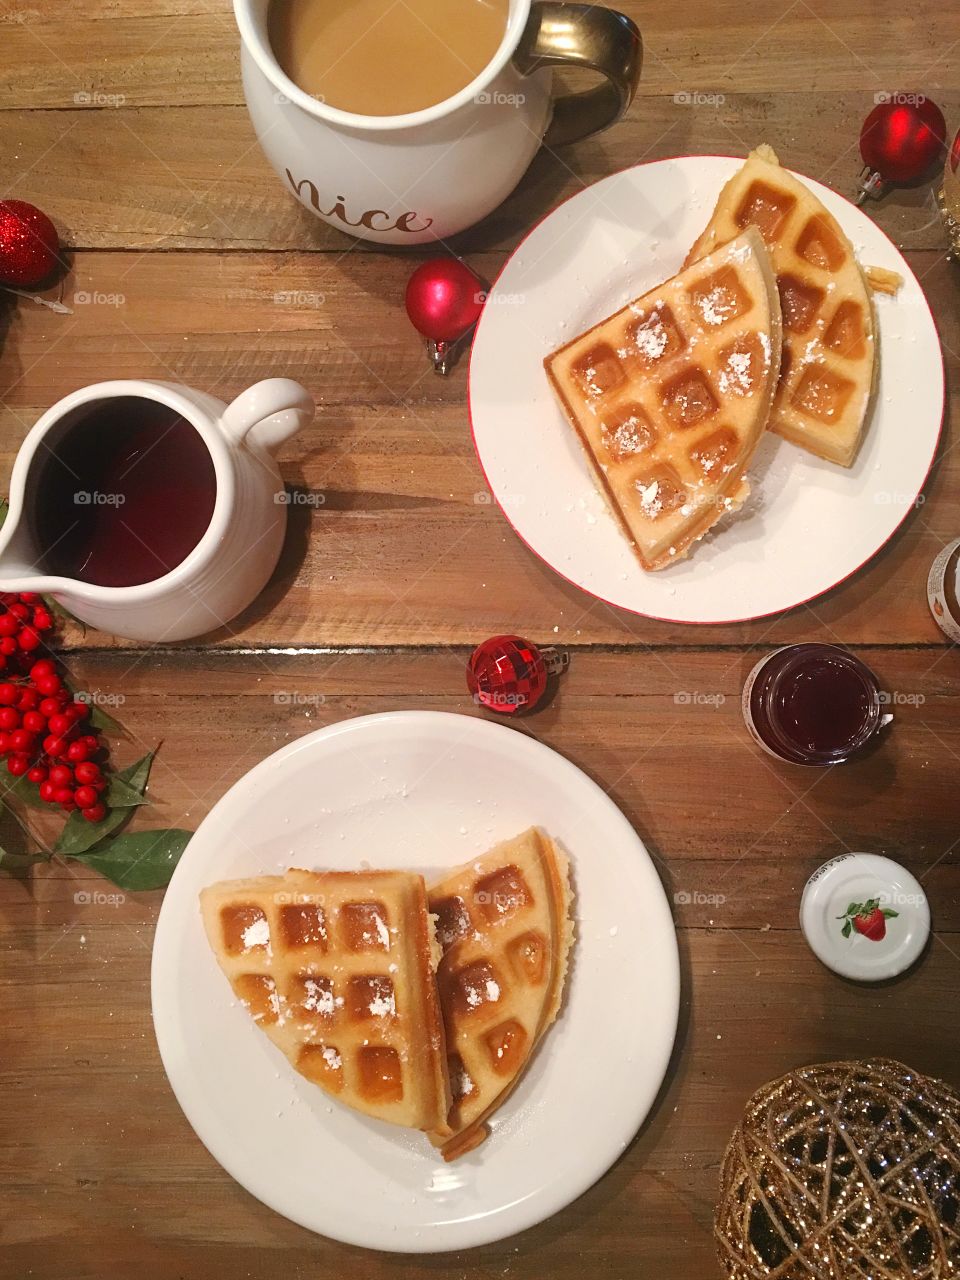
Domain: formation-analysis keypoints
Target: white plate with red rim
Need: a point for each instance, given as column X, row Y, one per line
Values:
column 426, row 791
column 808, row 524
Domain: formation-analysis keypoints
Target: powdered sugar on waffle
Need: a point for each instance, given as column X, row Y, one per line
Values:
column 318, row 999
column 651, row 339
column 383, row 1006
column 650, row 499
column 489, row 993
column 735, row 376
column 257, row 934
column 383, row 933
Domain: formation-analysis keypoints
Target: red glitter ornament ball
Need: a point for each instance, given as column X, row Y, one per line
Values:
column 508, row 674
column 29, row 244
column 903, row 138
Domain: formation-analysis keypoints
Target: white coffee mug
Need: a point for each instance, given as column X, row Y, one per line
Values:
column 236, row 555
column 408, row 179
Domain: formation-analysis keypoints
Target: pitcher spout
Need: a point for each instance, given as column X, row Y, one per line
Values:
column 19, row 568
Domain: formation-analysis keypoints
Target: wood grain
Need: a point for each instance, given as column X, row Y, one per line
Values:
column 101, row 1172
column 404, row 544
column 149, row 53
column 176, row 178
column 661, row 731
column 124, row 119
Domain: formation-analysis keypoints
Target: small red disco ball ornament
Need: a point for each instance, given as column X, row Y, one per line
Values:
column 508, row 674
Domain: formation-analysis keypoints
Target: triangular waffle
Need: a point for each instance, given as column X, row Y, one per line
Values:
column 338, row 969
column 670, row 396
column 505, row 929
column 830, row 354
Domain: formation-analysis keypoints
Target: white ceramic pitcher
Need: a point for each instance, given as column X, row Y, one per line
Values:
column 230, row 564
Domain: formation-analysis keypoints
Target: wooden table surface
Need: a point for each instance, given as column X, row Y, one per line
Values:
column 157, row 185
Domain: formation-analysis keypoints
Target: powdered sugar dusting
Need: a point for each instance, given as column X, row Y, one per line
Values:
column 717, row 306
column 257, row 934
column 650, row 500
column 318, row 999
column 383, row 1006
column 735, row 376
column 383, row 933
column 487, row 993
column 652, row 338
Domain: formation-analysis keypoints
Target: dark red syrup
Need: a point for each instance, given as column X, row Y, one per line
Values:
column 813, row 704
column 120, row 495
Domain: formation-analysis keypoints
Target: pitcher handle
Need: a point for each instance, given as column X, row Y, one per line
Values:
column 583, row 35
column 268, row 413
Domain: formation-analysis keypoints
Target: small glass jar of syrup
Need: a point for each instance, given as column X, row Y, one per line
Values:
column 813, row 704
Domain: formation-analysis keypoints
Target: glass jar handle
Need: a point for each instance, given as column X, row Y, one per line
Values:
column 583, row 35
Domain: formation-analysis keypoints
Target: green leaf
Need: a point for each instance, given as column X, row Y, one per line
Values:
column 128, row 787
column 126, row 790
column 890, row 915
column 846, row 929
column 870, row 905
column 79, row 835
column 852, row 910
column 19, row 861
column 21, row 789
column 99, row 719
column 139, row 859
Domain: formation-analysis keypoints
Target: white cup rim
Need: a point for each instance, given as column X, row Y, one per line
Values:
column 211, row 435
column 254, row 39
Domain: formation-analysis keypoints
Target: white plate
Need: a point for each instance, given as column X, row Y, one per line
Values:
column 808, row 524
column 427, row 791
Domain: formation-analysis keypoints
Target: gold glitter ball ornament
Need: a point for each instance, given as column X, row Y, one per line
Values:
column 949, row 198
column 842, row 1171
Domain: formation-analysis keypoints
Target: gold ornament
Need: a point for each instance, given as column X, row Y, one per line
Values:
column 844, row 1171
column 949, row 198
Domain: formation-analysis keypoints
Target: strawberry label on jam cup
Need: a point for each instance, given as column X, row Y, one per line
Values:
column 943, row 590
column 865, row 916
column 868, row 918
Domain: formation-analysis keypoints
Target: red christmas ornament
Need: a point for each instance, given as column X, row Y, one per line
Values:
column 444, row 300
column 509, row 674
column 900, row 141
column 28, row 244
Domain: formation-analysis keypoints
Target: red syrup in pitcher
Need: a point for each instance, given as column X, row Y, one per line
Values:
column 121, row 495
column 813, row 704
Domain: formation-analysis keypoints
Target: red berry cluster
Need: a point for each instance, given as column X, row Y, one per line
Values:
column 42, row 731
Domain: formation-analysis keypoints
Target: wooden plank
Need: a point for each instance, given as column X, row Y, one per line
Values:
column 118, row 1180
column 183, row 53
column 405, row 546
column 102, row 1176
column 162, row 177
column 735, row 834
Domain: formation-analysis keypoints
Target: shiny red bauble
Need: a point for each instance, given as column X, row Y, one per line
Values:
column 508, row 674
column 29, row 245
column 903, row 138
column 444, row 299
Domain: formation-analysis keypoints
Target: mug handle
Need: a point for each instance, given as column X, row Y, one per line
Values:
column 269, row 412
column 583, row 35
